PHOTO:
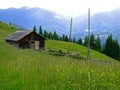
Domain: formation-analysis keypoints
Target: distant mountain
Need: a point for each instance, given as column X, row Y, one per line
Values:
column 101, row 23
column 28, row 17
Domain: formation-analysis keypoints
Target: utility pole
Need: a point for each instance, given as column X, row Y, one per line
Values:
column 88, row 48
column 70, row 35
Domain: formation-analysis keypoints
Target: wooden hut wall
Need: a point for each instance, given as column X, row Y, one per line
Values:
column 26, row 41
column 36, row 37
column 14, row 43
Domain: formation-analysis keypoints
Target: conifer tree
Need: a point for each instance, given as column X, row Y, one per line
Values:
column 40, row 30
column 74, row 40
column 55, row 36
column 112, row 48
column 79, row 41
column 92, row 42
column 108, row 46
column 86, row 41
column 45, row 34
column 34, row 28
column 50, row 36
column 116, row 50
column 98, row 44
column 63, row 37
column 60, row 38
column 66, row 38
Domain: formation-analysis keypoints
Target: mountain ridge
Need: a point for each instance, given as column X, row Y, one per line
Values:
column 28, row 17
column 104, row 23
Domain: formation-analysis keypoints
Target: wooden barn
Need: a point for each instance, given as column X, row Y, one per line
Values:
column 26, row 39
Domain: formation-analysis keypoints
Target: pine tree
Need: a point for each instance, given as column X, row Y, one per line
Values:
column 60, row 38
column 63, row 37
column 79, row 41
column 74, row 40
column 55, row 36
column 86, row 41
column 92, row 42
column 66, row 38
column 108, row 46
column 45, row 34
column 98, row 44
column 50, row 36
column 116, row 50
column 40, row 30
column 34, row 29
column 112, row 48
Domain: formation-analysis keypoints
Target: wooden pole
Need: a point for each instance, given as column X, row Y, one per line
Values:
column 70, row 35
column 88, row 51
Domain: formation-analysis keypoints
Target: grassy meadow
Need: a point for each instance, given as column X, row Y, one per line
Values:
column 39, row 70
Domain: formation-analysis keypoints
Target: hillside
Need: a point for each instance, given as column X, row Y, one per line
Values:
column 57, row 45
column 38, row 70
column 75, row 48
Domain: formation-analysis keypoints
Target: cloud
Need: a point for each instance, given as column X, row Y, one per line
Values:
column 64, row 7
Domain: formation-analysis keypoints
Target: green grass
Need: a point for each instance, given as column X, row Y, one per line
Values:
column 38, row 70
column 61, row 45
column 5, row 30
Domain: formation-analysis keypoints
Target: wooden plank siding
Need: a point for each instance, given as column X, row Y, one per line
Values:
column 28, row 41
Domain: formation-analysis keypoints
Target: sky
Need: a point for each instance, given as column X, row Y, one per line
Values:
column 65, row 7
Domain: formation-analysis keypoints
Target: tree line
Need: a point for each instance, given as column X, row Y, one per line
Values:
column 50, row 35
column 111, row 47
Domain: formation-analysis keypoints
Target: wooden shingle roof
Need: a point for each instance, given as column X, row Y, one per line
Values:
column 16, row 36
